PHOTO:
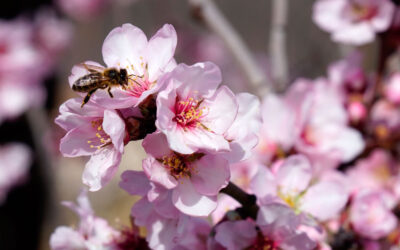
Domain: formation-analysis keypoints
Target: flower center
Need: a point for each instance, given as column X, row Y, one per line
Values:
column 360, row 12
column 101, row 139
column 137, row 84
column 188, row 113
column 179, row 165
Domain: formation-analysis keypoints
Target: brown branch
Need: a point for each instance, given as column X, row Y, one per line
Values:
column 249, row 206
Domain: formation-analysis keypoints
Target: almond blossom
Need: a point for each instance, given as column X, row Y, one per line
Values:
column 276, row 227
column 195, row 179
column 167, row 227
column 353, row 22
column 127, row 47
column 15, row 160
column 93, row 233
column 192, row 112
column 370, row 214
column 92, row 131
column 289, row 182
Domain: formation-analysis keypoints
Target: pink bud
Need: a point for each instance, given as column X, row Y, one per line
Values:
column 357, row 111
column 392, row 90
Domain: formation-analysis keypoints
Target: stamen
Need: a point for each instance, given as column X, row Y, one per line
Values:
column 101, row 139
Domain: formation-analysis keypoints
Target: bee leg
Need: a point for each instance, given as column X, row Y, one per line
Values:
column 109, row 92
column 87, row 97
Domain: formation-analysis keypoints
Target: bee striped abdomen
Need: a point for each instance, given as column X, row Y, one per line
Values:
column 87, row 82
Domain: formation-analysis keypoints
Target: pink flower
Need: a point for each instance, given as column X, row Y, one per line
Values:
column 15, row 160
column 347, row 74
column 92, row 131
column 18, row 94
column 279, row 129
column 194, row 179
column 325, row 136
column 277, row 229
column 82, row 9
column 145, row 61
column 290, row 184
column 370, row 214
column 377, row 171
column 93, row 232
column 386, row 117
column 192, row 112
column 166, row 227
column 392, row 89
column 353, row 22
column 243, row 133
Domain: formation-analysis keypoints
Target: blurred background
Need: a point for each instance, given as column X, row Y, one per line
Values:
column 40, row 41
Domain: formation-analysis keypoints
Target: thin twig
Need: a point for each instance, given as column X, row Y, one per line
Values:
column 249, row 206
column 217, row 22
column 277, row 44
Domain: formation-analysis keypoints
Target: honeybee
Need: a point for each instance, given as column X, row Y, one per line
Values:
column 100, row 78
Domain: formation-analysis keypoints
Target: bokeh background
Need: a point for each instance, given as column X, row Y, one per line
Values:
column 32, row 210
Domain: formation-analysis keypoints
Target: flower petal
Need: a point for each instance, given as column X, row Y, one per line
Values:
column 114, row 126
column 135, row 182
column 124, row 46
column 294, row 175
column 190, row 202
column 160, row 50
column 101, row 168
column 211, row 174
column 157, row 173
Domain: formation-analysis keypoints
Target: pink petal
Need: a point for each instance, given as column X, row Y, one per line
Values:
column 160, row 50
column 101, row 168
column 114, row 126
column 123, row 47
column 200, row 138
column 211, row 174
column 72, row 115
column 142, row 212
column 263, row 183
column 75, row 142
column 222, row 109
column 324, row 200
column 294, row 175
column 355, row 34
column 66, row 238
column 157, row 173
column 235, row 235
column 135, row 182
column 156, row 145
column 190, row 202
column 197, row 81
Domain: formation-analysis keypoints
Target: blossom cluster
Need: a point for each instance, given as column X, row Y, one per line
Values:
column 29, row 50
column 313, row 168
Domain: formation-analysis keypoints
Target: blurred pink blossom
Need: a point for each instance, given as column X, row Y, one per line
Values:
column 92, row 233
column 370, row 214
column 92, row 131
column 392, row 89
column 353, row 22
column 15, row 161
column 277, row 229
column 82, row 10
column 290, row 183
column 378, row 171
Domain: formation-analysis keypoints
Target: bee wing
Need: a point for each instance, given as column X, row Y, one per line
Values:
column 91, row 79
column 91, row 68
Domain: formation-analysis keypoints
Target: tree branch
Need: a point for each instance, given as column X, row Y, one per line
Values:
column 277, row 44
column 217, row 22
column 249, row 206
